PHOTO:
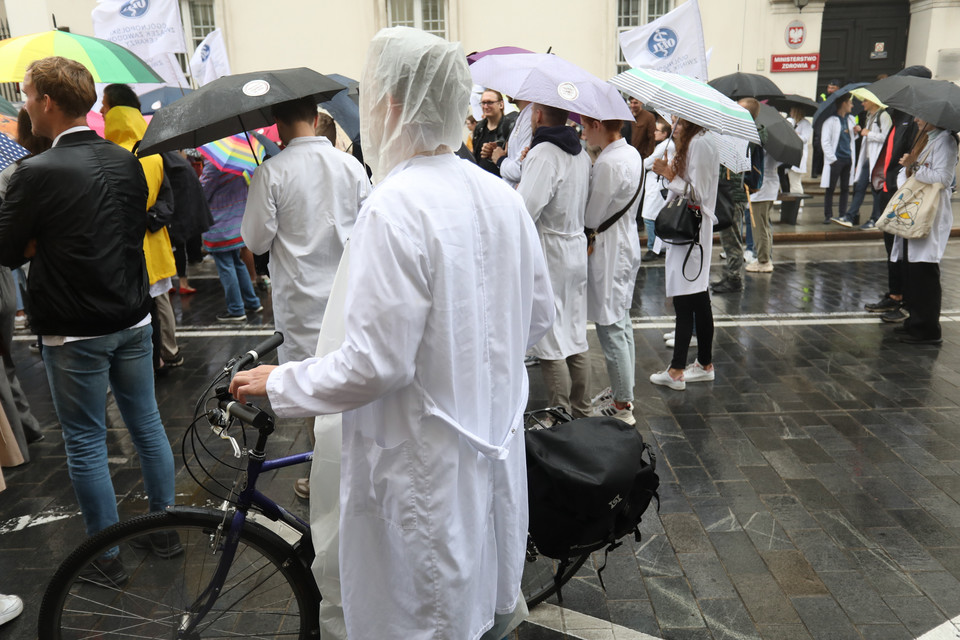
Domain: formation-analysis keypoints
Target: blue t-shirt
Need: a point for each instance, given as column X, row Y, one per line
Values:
column 843, row 144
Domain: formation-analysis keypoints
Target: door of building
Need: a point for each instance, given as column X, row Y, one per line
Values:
column 862, row 39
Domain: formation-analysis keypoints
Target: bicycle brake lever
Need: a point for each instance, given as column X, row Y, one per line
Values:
column 219, row 425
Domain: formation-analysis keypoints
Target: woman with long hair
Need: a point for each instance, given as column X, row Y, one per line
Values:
column 692, row 172
column 933, row 159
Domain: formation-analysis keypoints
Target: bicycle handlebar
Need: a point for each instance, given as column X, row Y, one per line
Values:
column 253, row 356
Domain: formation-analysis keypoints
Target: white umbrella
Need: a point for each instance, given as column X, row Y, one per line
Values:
column 548, row 79
column 689, row 99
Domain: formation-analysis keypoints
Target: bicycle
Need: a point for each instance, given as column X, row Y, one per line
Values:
column 242, row 569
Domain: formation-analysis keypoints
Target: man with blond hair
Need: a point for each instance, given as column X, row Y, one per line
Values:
column 78, row 212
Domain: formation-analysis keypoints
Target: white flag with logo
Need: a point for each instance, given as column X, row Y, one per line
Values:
column 209, row 61
column 673, row 43
column 149, row 28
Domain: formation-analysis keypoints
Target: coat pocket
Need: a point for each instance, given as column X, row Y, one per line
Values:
column 382, row 482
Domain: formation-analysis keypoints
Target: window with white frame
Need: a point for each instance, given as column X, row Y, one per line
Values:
column 429, row 15
column 198, row 21
column 633, row 13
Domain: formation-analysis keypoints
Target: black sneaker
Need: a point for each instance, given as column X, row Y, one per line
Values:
column 176, row 361
column 106, row 573
column 894, row 315
column 256, row 309
column 650, row 255
column 163, row 544
column 226, row 317
column 885, row 304
column 728, row 286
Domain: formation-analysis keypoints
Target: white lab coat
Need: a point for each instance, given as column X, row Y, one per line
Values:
column 878, row 128
column 652, row 197
column 301, row 208
column 938, row 163
column 702, row 175
column 447, row 290
column 612, row 267
column 829, row 137
column 325, row 471
column 519, row 140
column 554, row 188
column 770, row 188
column 804, row 131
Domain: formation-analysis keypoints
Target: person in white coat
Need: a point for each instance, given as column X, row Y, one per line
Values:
column 694, row 172
column 652, row 186
column 554, row 187
column 761, row 201
column 932, row 160
column 616, row 182
column 874, row 133
column 301, row 208
column 447, row 288
column 837, row 140
column 510, row 161
column 804, row 131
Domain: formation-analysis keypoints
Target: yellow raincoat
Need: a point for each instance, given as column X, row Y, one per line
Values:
column 125, row 126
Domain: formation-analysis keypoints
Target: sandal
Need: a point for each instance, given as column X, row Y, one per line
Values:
column 185, row 291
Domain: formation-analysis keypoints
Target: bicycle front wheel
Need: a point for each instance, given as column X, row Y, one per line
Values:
column 268, row 591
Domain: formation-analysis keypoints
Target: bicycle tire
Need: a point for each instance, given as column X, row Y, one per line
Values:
column 269, row 592
column 539, row 576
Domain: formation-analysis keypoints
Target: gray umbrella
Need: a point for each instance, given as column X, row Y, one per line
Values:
column 782, row 142
column 933, row 101
column 746, row 85
column 229, row 105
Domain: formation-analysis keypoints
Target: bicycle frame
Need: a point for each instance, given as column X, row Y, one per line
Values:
column 247, row 498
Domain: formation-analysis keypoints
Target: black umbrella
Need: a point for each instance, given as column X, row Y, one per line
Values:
column 229, row 105
column 746, row 85
column 792, row 100
column 782, row 142
column 933, row 101
column 828, row 107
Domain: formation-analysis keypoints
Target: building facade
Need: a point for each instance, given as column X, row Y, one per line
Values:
column 799, row 44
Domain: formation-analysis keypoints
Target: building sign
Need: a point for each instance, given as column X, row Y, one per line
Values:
column 879, row 51
column 795, row 35
column 795, row 62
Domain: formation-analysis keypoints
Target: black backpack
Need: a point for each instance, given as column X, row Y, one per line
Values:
column 588, row 486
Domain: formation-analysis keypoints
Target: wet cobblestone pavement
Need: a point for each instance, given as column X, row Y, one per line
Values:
column 811, row 491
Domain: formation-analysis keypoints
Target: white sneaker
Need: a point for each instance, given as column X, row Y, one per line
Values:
column 759, row 267
column 10, row 608
column 670, row 335
column 669, row 343
column 663, row 379
column 696, row 373
column 748, row 256
column 602, row 399
column 611, row 411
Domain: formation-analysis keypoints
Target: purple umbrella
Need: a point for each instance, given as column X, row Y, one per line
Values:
column 551, row 80
column 496, row 51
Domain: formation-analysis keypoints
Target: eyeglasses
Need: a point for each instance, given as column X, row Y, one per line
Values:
column 488, row 103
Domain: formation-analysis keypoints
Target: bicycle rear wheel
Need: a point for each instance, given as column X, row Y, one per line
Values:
column 540, row 575
column 268, row 591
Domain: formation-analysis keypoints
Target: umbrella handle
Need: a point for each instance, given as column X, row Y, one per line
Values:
column 250, row 144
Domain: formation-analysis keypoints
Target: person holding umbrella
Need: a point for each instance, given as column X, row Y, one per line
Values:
column 874, row 134
column 693, row 172
column 837, row 141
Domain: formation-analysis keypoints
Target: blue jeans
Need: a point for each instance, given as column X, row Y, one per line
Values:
column 859, row 193
column 78, row 373
column 236, row 281
column 616, row 341
column 748, row 231
column 651, row 227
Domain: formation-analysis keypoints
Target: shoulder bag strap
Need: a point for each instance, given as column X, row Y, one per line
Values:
column 612, row 220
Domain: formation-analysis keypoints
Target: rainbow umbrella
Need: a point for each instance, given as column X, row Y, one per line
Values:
column 108, row 62
column 234, row 154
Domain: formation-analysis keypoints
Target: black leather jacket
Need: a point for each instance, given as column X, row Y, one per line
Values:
column 84, row 202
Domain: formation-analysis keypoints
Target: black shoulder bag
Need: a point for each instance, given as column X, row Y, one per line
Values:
column 612, row 220
column 678, row 223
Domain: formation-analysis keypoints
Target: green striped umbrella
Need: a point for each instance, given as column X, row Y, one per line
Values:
column 108, row 62
column 690, row 99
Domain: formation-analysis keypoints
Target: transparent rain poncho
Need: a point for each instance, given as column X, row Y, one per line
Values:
column 414, row 95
